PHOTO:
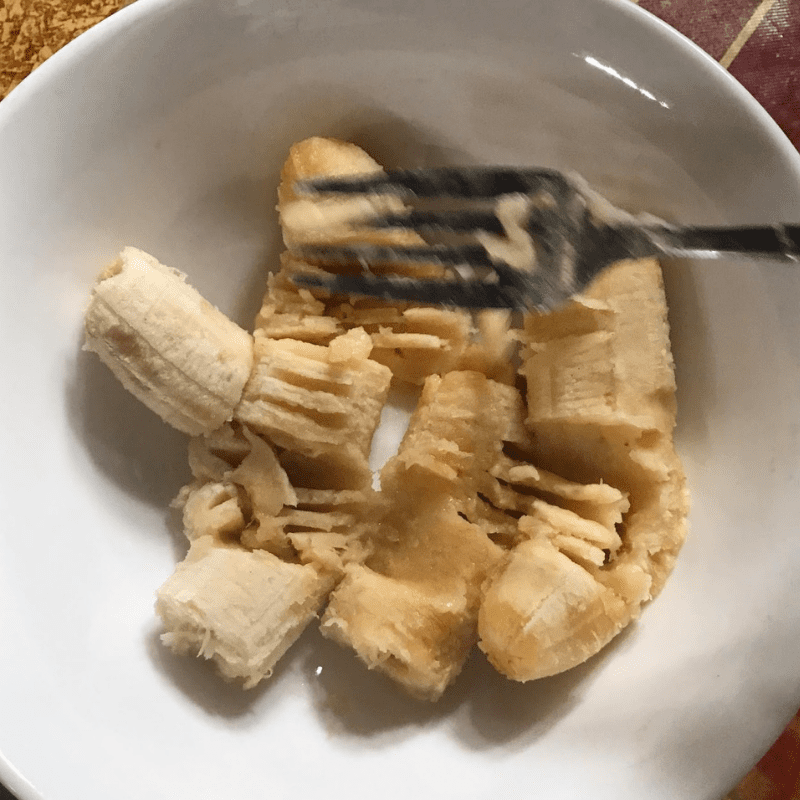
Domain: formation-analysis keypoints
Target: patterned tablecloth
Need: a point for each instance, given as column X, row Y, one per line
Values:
column 758, row 41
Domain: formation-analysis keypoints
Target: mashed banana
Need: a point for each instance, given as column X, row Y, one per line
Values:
column 533, row 514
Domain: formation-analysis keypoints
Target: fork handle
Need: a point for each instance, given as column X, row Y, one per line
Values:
column 776, row 242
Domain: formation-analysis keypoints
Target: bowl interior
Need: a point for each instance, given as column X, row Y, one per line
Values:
column 165, row 127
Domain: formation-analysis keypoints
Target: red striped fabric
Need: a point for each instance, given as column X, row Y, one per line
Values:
column 768, row 65
column 712, row 24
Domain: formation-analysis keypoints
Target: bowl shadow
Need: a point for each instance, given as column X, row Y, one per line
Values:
column 483, row 708
column 125, row 440
column 200, row 682
column 694, row 365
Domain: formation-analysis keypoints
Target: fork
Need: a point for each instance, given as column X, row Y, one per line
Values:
column 525, row 239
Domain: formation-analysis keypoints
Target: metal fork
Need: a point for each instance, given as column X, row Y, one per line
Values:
column 526, row 239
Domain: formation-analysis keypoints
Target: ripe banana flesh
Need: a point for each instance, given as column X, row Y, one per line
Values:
column 411, row 610
column 248, row 496
column 536, row 525
column 312, row 399
column 412, row 341
column 241, row 608
column 545, row 613
column 168, row 346
column 274, row 551
column 601, row 407
column 325, row 220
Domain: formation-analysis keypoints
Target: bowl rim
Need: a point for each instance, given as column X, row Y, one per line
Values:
column 117, row 23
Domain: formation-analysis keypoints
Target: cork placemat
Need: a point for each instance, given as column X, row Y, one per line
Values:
column 32, row 30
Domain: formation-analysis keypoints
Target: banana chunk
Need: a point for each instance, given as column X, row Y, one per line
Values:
column 311, row 399
column 243, row 609
column 411, row 611
column 605, row 358
column 413, row 341
column 317, row 511
column 413, row 634
column 168, row 346
column 610, row 418
column 543, row 613
column 456, row 434
column 328, row 220
column 601, row 410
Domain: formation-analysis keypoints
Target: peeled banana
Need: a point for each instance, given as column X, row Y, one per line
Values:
column 241, row 608
column 168, row 346
column 532, row 520
column 601, row 408
column 313, row 399
column 412, row 341
column 272, row 530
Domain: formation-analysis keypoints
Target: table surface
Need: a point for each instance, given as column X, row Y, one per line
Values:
column 758, row 41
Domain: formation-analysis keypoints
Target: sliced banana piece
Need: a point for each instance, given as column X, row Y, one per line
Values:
column 543, row 613
column 326, row 220
column 411, row 611
column 601, row 410
column 312, row 399
column 168, row 346
column 413, row 341
column 243, row 609
column 317, row 511
column 413, row 634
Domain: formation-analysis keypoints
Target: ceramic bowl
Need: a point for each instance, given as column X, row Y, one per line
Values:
column 165, row 127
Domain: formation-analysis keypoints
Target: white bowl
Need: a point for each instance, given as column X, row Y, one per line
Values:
column 165, row 127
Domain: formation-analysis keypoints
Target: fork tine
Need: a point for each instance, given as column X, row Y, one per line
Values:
column 451, row 182
column 466, row 294
column 463, row 221
column 469, row 254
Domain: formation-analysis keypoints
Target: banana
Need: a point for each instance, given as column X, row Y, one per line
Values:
column 544, row 613
column 601, row 408
column 413, row 341
column 243, row 491
column 168, row 346
column 410, row 611
column 315, row 400
column 211, row 509
column 443, row 575
column 331, row 220
column 537, row 525
column 241, row 597
column 456, row 434
column 621, row 431
column 605, row 358
column 242, row 609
